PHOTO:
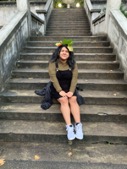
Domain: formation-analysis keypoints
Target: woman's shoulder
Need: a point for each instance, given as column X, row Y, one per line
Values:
column 52, row 65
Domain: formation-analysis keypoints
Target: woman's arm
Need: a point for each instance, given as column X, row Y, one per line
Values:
column 74, row 78
column 53, row 78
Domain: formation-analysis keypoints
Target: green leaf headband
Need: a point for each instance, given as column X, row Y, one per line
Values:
column 67, row 42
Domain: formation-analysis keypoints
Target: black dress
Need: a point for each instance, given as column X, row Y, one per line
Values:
column 64, row 78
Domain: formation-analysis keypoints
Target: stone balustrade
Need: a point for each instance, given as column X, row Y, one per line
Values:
column 113, row 24
column 15, row 32
column 13, row 36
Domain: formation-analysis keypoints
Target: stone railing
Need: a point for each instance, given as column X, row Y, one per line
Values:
column 38, row 25
column 40, row 12
column 45, row 14
column 95, row 17
column 14, row 34
column 12, row 37
column 117, row 33
column 114, row 26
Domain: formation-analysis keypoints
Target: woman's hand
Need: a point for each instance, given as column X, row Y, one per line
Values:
column 69, row 94
column 62, row 93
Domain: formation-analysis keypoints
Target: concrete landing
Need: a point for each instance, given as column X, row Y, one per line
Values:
column 63, row 156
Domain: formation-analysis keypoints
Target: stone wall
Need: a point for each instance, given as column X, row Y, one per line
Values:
column 113, row 24
column 117, row 33
column 98, row 27
column 12, row 38
column 9, row 10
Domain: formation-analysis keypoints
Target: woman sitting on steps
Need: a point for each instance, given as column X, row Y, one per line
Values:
column 63, row 74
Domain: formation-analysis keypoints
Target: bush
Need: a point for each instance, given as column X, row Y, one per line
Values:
column 123, row 9
column 125, row 13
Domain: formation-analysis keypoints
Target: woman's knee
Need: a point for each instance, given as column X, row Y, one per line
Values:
column 63, row 100
column 73, row 99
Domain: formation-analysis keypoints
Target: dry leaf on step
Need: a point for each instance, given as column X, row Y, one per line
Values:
column 2, row 161
column 36, row 157
column 70, row 154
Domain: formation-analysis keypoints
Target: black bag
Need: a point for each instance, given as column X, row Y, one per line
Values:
column 80, row 99
column 47, row 99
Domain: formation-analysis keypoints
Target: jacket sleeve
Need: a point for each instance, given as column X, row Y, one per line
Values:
column 74, row 79
column 53, row 78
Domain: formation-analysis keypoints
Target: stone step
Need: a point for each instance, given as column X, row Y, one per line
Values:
column 68, row 16
column 61, row 28
column 90, row 84
column 37, row 155
column 89, row 113
column 70, row 26
column 78, row 56
column 65, row 34
column 54, row 27
column 57, row 23
column 71, row 18
column 38, row 164
column 71, row 15
column 37, row 64
column 63, row 10
column 67, row 30
column 76, row 49
column 91, row 97
column 38, row 131
column 76, row 44
column 67, row 24
column 68, row 13
column 74, row 38
column 83, row 73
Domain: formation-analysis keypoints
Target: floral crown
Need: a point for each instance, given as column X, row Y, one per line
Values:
column 67, row 42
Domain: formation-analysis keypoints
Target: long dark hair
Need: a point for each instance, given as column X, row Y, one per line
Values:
column 70, row 60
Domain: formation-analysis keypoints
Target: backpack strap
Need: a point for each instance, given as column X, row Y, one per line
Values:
column 56, row 63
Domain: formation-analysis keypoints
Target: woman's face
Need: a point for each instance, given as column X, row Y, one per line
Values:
column 64, row 53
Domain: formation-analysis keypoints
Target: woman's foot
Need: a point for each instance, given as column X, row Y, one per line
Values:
column 70, row 132
column 79, row 131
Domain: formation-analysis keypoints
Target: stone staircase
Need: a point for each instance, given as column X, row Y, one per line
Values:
column 34, row 138
column 64, row 24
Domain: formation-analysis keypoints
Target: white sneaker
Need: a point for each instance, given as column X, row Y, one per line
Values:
column 70, row 132
column 79, row 131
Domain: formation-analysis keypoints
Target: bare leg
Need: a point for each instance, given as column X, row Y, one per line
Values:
column 65, row 109
column 75, row 110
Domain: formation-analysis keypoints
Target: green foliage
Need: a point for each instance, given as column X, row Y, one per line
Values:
column 123, row 9
column 125, row 13
column 56, row 2
column 67, row 42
